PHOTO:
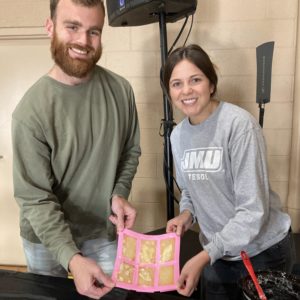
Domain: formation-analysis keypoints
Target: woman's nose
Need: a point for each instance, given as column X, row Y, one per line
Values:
column 186, row 89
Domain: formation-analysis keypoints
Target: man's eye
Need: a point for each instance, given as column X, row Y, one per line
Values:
column 95, row 33
column 72, row 28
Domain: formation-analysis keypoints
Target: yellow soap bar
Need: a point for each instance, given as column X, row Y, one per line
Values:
column 148, row 251
column 167, row 250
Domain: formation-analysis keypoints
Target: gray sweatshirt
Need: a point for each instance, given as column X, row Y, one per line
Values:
column 221, row 168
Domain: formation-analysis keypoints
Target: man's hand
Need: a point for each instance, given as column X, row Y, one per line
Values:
column 180, row 224
column 89, row 278
column 123, row 213
column 191, row 272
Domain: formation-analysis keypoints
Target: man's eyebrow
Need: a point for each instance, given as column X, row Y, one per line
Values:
column 74, row 22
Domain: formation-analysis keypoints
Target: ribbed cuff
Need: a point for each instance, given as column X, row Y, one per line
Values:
column 65, row 256
column 120, row 191
column 213, row 252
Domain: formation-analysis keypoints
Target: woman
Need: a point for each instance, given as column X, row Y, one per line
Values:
column 221, row 168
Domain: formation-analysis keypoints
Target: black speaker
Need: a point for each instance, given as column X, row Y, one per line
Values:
column 142, row 12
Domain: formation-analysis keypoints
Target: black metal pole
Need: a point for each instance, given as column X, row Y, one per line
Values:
column 168, row 123
column 261, row 114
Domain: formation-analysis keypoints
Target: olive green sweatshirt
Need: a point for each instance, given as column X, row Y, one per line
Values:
column 73, row 148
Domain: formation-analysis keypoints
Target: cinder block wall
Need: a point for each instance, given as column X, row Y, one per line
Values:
column 229, row 31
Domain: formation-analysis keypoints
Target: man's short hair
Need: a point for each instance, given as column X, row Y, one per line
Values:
column 88, row 3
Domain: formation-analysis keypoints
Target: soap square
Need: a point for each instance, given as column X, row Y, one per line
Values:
column 148, row 251
column 166, row 275
column 167, row 249
column 146, row 276
column 126, row 273
column 129, row 247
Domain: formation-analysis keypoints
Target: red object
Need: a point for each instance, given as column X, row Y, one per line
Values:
column 248, row 265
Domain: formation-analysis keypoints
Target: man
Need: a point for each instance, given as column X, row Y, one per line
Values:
column 76, row 149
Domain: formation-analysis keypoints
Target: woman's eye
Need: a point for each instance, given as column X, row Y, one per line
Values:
column 176, row 84
column 196, row 80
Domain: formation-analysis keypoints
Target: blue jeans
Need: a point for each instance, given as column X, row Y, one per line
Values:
column 220, row 281
column 40, row 261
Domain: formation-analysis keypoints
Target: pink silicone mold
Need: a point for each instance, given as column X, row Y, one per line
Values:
column 147, row 263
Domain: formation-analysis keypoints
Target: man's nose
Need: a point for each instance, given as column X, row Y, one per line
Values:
column 83, row 38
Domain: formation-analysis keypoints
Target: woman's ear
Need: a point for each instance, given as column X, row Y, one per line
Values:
column 212, row 89
column 49, row 27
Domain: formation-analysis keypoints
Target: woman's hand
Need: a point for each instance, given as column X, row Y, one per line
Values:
column 191, row 272
column 181, row 223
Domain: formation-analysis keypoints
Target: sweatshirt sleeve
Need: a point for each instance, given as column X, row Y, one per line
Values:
column 130, row 153
column 33, row 182
column 251, row 196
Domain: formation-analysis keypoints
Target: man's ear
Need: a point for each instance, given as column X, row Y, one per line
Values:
column 49, row 27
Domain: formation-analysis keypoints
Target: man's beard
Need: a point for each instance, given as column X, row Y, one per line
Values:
column 74, row 67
